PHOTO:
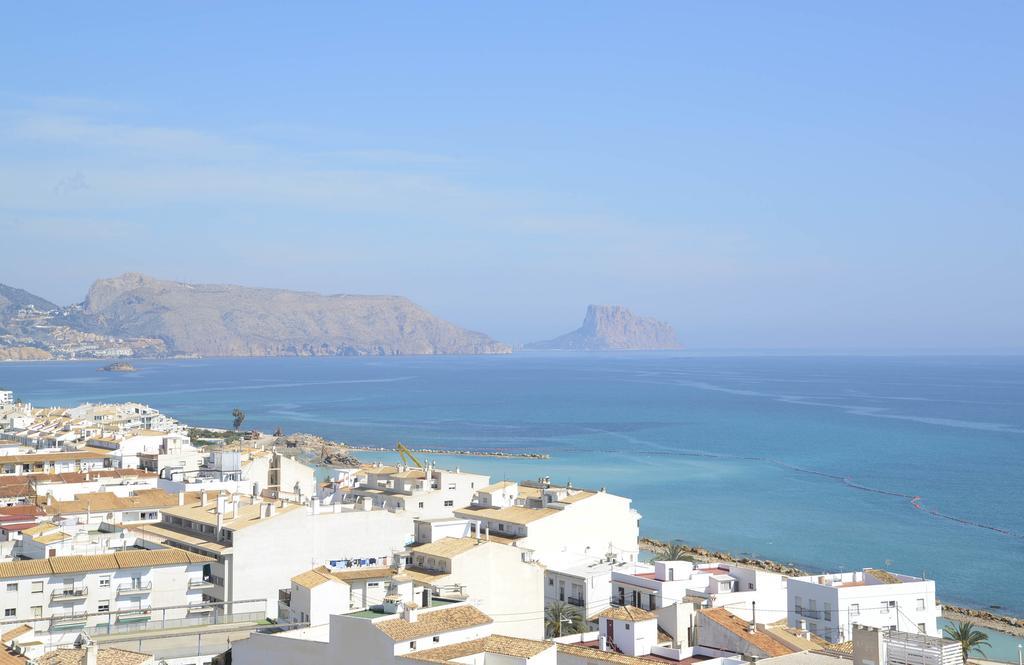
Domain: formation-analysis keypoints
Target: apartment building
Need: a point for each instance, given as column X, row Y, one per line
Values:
column 90, row 511
column 423, row 493
column 583, row 582
column 739, row 588
column 129, row 449
column 71, row 593
column 501, row 578
column 553, row 520
column 828, row 605
column 85, row 459
column 6, row 397
column 259, row 546
column 67, row 486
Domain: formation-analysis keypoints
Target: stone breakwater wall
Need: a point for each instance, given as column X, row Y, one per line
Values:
column 1006, row 624
column 464, row 453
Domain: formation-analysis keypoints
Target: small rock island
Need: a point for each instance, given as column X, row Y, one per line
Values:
column 120, row 366
column 614, row 328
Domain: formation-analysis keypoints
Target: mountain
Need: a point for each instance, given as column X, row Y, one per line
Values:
column 614, row 328
column 227, row 320
column 12, row 299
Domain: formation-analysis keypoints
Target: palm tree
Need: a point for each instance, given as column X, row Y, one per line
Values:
column 675, row 552
column 561, row 618
column 970, row 638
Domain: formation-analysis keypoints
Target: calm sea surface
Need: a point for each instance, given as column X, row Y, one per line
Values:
column 814, row 461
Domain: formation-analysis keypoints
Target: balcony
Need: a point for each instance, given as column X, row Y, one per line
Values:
column 134, row 589
column 200, row 608
column 284, row 596
column 578, row 602
column 69, row 594
column 202, row 583
column 60, row 622
column 134, row 616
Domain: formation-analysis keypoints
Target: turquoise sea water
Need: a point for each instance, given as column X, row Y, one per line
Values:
column 810, row 460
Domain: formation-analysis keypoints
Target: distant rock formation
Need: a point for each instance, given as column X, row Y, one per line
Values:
column 118, row 367
column 227, row 320
column 24, row 353
column 614, row 328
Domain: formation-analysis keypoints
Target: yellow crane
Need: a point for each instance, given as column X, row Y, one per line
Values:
column 406, row 454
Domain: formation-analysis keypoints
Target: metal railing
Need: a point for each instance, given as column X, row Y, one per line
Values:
column 578, row 602
column 141, row 587
column 203, row 583
column 69, row 593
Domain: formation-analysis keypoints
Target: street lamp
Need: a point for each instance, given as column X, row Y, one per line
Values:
column 1020, row 654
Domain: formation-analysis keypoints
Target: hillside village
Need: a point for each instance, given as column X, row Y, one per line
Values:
column 121, row 541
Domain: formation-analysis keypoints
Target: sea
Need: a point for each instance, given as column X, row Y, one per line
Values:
column 829, row 463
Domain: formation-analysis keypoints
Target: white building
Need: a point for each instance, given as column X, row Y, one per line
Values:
column 553, row 521
column 6, row 397
column 583, row 582
column 502, row 579
column 874, row 646
column 738, row 588
column 381, row 636
column 422, row 493
column 67, row 594
column 829, row 605
column 260, row 546
column 317, row 594
column 85, row 459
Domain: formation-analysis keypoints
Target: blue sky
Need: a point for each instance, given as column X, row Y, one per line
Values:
column 766, row 175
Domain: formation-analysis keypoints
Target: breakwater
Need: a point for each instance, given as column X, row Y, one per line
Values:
column 464, row 453
column 1006, row 624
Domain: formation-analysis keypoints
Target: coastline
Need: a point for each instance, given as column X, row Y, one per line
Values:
column 1006, row 624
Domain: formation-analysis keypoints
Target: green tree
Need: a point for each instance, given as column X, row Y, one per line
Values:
column 239, row 418
column 675, row 552
column 969, row 637
column 563, row 619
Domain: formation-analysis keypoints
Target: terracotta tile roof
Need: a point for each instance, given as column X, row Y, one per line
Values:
column 313, row 578
column 248, row 512
column 433, row 622
column 351, row 574
column 84, row 453
column 626, row 613
column 497, row 486
column 102, row 502
column 20, row 512
column 511, row 514
column 840, row 648
column 105, row 656
column 8, row 657
column 496, row 644
column 164, row 533
column 424, row 576
column 15, row 633
column 573, row 497
column 446, row 547
column 737, row 626
column 591, row 654
column 883, row 576
column 83, row 563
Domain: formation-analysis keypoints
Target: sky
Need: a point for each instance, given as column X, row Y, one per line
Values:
column 786, row 175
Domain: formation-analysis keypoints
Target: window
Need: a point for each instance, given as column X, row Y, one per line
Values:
column 37, row 611
column 37, row 587
column 854, row 609
column 828, row 612
column 799, row 605
column 451, row 486
column 437, row 638
column 104, row 581
column 421, row 504
column 412, row 645
column 551, row 582
column 10, row 612
column 12, row 586
column 103, row 606
column 373, row 584
column 449, row 503
column 501, row 527
column 920, row 628
column 750, row 585
column 920, row 603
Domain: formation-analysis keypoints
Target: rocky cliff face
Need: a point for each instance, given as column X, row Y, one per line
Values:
column 227, row 320
column 611, row 328
column 13, row 299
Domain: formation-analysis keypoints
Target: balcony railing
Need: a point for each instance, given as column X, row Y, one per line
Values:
column 69, row 593
column 60, row 622
column 200, row 608
column 284, row 596
column 134, row 616
column 578, row 602
column 203, row 583
column 134, row 588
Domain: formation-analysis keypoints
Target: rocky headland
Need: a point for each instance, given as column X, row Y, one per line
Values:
column 614, row 328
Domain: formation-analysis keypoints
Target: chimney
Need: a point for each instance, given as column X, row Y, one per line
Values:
column 753, row 617
column 49, row 499
column 203, row 498
column 181, row 498
column 271, row 510
column 487, row 533
column 602, row 643
column 236, row 501
column 410, row 612
column 220, row 523
column 221, row 503
column 91, row 654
